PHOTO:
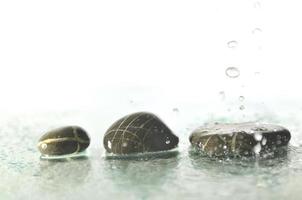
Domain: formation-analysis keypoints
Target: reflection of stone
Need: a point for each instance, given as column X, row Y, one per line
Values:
column 56, row 174
column 63, row 141
column 138, row 133
column 220, row 167
column 242, row 139
column 142, row 177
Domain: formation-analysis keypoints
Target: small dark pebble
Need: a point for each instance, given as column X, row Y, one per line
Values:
column 239, row 139
column 63, row 141
column 138, row 133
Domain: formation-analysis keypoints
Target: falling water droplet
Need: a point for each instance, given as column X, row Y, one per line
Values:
column 222, row 95
column 241, row 98
column 256, row 31
column 232, row 72
column 257, row 4
column 242, row 107
column 175, row 110
column 232, row 44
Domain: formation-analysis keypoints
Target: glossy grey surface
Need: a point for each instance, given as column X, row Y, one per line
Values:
column 185, row 175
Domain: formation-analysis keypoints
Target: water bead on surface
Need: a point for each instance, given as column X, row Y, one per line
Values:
column 142, row 131
column 232, row 72
column 64, row 141
column 239, row 139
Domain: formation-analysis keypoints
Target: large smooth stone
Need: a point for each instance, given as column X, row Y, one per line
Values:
column 138, row 133
column 63, row 141
column 239, row 139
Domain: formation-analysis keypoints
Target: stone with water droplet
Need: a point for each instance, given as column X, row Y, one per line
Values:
column 232, row 44
column 64, row 141
column 257, row 148
column 232, row 72
column 239, row 139
column 142, row 132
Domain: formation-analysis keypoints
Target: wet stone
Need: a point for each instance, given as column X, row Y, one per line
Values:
column 239, row 139
column 138, row 133
column 64, row 141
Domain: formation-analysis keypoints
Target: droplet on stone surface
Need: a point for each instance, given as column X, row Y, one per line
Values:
column 263, row 142
column 143, row 132
column 44, row 146
column 258, row 136
column 232, row 44
column 257, row 148
column 64, row 141
column 232, row 72
column 240, row 139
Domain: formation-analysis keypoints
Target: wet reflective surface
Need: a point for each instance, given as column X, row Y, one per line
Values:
column 175, row 175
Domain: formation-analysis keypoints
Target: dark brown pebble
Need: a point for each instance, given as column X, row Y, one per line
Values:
column 137, row 133
column 63, row 141
column 239, row 139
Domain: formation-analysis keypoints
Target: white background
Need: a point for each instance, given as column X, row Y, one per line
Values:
column 62, row 53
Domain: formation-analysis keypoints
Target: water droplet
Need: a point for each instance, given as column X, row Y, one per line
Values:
column 224, row 147
column 175, row 110
column 258, row 136
column 263, row 142
column 241, row 98
column 257, row 31
column 124, row 144
column 168, row 141
column 44, row 146
column 257, row 4
column 232, row 72
column 109, row 144
column 242, row 107
column 232, row 44
column 257, row 148
column 222, row 95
